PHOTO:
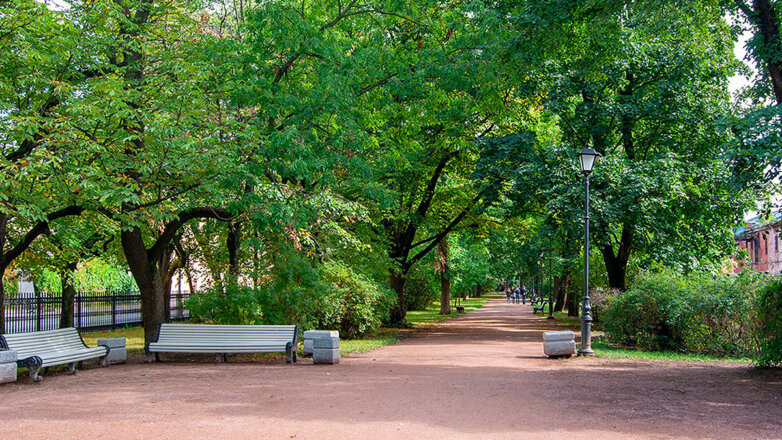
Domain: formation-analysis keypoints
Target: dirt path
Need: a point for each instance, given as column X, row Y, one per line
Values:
column 480, row 376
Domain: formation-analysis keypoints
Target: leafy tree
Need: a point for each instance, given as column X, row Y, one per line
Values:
column 647, row 91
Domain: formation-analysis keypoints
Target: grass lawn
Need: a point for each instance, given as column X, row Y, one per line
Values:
column 604, row 349
column 134, row 336
column 431, row 315
column 386, row 336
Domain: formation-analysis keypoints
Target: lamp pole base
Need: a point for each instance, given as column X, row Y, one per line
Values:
column 586, row 352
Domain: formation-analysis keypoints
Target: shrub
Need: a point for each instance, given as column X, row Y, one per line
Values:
column 421, row 287
column 770, row 316
column 650, row 314
column 353, row 303
column 600, row 299
column 330, row 295
column 237, row 305
column 697, row 313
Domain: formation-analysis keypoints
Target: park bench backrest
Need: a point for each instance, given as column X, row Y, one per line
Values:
column 34, row 343
column 213, row 333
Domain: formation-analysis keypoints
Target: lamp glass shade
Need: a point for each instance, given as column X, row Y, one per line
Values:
column 587, row 158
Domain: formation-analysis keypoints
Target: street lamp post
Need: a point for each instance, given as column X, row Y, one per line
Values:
column 586, row 158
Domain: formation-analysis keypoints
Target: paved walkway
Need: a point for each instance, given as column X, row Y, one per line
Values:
column 479, row 376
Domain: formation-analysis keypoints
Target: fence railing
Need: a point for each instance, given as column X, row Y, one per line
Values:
column 91, row 311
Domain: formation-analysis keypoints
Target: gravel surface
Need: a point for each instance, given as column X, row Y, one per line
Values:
column 479, row 376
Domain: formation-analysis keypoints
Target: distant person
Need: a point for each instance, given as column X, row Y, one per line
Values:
column 517, row 294
column 508, row 293
column 523, row 294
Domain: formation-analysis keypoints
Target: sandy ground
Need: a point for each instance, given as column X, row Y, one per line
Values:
column 480, row 376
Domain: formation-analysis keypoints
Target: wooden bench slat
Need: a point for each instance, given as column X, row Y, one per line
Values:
column 52, row 347
column 223, row 339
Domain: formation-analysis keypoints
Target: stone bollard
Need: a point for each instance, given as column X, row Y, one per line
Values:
column 7, row 366
column 311, row 335
column 325, row 351
column 117, row 352
column 559, row 344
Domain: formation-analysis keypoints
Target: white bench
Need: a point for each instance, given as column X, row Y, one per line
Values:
column 38, row 350
column 224, row 339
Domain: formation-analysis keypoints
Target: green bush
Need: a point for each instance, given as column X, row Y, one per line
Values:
column 650, row 314
column 353, row 303
column 600, row 300
column 422, row 287
column 697, row 313
column 236, row 305
column 770, row 316
column 326, row 296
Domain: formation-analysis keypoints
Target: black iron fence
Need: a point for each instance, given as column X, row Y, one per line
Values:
column 93, row 311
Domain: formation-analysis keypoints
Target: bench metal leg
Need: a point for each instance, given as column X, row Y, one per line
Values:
column 72, row 368
column 33, row 365
column 225, row 357
column 34, row 374
column 217, row 358
column 104, row 361
column 289, row 353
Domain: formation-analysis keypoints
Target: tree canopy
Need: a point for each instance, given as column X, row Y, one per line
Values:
column 298, row 155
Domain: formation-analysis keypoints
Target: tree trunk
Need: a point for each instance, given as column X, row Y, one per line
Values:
column 167, row 276
column 571, row 296
column 3, row 267
column 765, row 19
column 68, row 295
column 445, row 294
column 2, row 301
column 233, row 243
column 397, row 281
column 442, row 266
column 559, row 304
column 616, row 263
column 147, row 276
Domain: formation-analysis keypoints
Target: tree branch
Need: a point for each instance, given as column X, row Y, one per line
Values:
column 40, row 228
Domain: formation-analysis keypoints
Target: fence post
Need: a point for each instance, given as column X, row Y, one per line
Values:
column 78, row 309
column 37, row 310
column 113, row 309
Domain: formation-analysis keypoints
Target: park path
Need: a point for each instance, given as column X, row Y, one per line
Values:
column 478, row 376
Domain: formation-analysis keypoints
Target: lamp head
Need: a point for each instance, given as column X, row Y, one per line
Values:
column 587, row 158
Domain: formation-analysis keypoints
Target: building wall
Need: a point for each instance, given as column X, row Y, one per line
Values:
column 763, row 246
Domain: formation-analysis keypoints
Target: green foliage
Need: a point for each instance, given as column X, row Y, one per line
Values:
column 600, row 299
column 331, row 295
column 353, row 303
column 92, row 276
column 422, row 287
column 770, row 314
column 234, row 305
column 696, row 313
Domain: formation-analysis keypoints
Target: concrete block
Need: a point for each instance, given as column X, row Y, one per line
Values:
column 8, row 372
column 113, row 342
column 8, row 357
column 118, row 353
column 559, row 348
column 316, row 334
column 307, row 347
column 325, row 356
column 559, row 336
column 325, row 343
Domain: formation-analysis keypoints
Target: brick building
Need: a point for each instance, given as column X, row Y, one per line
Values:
column 762, row 243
